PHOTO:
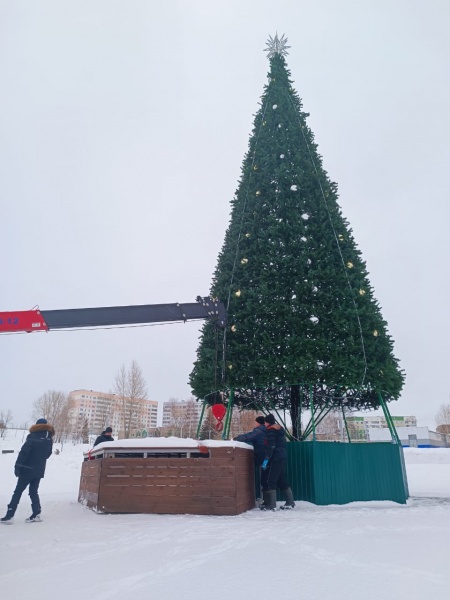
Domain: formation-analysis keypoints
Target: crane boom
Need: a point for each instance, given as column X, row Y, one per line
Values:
column 46, row 320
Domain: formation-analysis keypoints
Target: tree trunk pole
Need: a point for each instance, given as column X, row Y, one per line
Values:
column 295, row 411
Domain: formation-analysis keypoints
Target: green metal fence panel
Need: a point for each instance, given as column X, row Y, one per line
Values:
column 337, row 473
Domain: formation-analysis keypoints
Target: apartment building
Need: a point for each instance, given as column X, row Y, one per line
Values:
column 181, row 417
column 359, row 427
column 103, row 409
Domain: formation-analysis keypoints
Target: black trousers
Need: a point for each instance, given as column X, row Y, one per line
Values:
column 22, row 484
column 274, row 476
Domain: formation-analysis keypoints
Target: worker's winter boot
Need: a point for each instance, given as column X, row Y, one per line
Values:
column 34, row 519
column 270, row 500
column 289, row 496
column 8, row 518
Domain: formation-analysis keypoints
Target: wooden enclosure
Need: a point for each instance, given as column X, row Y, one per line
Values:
column 219, row 480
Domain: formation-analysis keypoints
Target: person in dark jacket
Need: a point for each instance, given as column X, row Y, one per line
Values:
column 255, row 438
column 105, row 436
column 274, row 467
column 30, row 469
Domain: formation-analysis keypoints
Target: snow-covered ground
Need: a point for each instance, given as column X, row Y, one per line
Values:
column 358, row 551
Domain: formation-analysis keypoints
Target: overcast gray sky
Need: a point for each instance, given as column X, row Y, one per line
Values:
column 123, row 125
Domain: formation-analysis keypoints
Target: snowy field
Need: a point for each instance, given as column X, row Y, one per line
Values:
column 364, row 551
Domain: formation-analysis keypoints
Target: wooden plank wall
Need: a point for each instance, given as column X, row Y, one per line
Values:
column 90, row 483
column 220, row 485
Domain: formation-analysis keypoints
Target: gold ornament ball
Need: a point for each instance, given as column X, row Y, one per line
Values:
column 247, row 235
column 264, row 122
column 375, row 333
column 255, row 168
column 230, row 366
column 258, row 193
column 362, row 292
column 350, row 265
column 340, row 236
column 237, row 293
column 233, row 328
column 244, row 261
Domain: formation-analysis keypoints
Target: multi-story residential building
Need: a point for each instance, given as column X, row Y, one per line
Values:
column 375, row 422
column 359, row 426
column 181, row 416
column 103, row 409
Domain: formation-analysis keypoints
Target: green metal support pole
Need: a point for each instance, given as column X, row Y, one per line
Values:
column 389, row 420
column 311, row 406
column 226, row 427
column 318, row 419
column 299, row 424
column 200, row 421
column 346, row 426
column 308, row 428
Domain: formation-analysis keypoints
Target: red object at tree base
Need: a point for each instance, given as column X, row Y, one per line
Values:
column 219, row 411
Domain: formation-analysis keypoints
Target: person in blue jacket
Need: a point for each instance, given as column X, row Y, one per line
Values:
column 255, row 438
column 30, row 469
column 105, row 436
column 274, row 466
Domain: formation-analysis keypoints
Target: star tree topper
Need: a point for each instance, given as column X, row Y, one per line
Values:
column 276, row 45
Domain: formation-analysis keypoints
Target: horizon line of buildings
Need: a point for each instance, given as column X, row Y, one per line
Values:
column 98, row 410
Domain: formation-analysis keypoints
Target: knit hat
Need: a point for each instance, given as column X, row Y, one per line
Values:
column 41, row 422
column 269, row 419
column 108, row 430
column 260, row 420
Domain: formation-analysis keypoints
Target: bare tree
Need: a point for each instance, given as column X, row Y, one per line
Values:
column 443, row 415
column 208, row 429
column 85, row 431
column 242, row 421
column 106, row 412
column 5, row 419
column 130, row 389
column 178, row 418
column 328, row 428
column 55, row 406
column 183, row 417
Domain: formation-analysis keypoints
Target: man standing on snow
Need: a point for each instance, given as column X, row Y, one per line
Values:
column 105, row 436
column 30, row 469
column 274, row 467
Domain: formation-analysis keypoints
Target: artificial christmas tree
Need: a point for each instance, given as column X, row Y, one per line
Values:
column 303, row 324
